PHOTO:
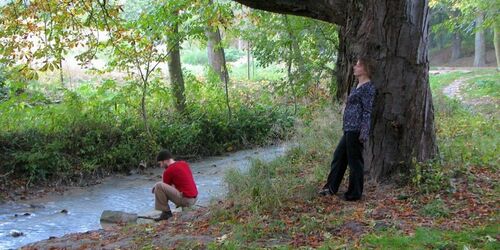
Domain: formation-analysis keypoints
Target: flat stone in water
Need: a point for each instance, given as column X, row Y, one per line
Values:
column 109, row 216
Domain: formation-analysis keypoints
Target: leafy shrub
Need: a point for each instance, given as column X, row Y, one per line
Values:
column 233, row 55
column 194, row 56
column 97, row 130
column 429, row 177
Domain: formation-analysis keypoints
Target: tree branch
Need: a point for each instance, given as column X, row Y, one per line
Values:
column 332, row 11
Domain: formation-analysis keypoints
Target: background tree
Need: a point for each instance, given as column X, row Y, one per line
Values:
column 140, row 45
column 40, row 33
column 216, row 15
column 306, row 47
column 174, row 64
column 480, row 45
column 446, row 18
column 483, row 14
column 394, row 34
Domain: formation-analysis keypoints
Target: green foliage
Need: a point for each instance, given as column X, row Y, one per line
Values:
column 468, row 138
column 306, row 47
column 429, row 177
column 273, row 73
column 450, row 17
column 96, row 130
column 194, row 56
column 425, row 238
column 232, row 54
column 484, row 86
column 197, row 56
column 38, row 35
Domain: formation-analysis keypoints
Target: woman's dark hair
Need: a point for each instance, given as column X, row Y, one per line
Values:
column 164, row 155
column 368, row 63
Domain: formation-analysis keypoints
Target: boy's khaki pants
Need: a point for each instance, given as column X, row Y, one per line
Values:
column 164, row 193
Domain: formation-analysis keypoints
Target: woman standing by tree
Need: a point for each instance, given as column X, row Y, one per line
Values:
column 356, row 127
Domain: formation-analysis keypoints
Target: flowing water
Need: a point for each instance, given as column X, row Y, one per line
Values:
column 79, row 210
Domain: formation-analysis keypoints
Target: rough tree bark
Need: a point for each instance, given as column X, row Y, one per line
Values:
column 393, row 33
column 480, row 46
column 175, row 71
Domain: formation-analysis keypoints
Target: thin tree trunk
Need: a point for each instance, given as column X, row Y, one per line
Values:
column 215, row 51
column 144, row 113
column 217, row 60
column 456, row 50
column 61, row 76
column 289, row 63
column 248, row 60
column 496, row 39
column 480, row 46
column 394, row 33
column 175, row 72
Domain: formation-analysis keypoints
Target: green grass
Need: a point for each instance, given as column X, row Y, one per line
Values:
column 466, row 135
column 439, row 81
column 425, row 238
column 487, row 85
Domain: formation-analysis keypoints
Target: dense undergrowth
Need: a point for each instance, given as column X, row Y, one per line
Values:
column 89, row 131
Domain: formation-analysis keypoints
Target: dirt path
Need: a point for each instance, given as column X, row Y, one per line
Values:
column 456, row 90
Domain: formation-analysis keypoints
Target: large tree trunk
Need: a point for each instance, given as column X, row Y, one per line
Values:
column 175, row 72
column 456, row 49
column 393, row 33
column 496, row 39
column 480, row 46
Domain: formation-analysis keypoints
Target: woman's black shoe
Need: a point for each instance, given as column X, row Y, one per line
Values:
column 351, row 198
column 325, row 192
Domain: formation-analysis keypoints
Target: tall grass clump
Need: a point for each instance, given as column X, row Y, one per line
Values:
column 268, row 187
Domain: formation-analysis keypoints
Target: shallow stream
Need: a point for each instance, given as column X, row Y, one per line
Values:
column 79, row 209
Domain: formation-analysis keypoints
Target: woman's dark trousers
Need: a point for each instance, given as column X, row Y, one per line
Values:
column 348, row 152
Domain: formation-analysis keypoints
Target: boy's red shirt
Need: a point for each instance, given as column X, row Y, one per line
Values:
column 179, row 175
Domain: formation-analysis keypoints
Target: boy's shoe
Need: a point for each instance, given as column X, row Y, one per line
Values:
column 164, row 216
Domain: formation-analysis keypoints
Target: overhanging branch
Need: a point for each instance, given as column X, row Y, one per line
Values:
column 332, row 11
